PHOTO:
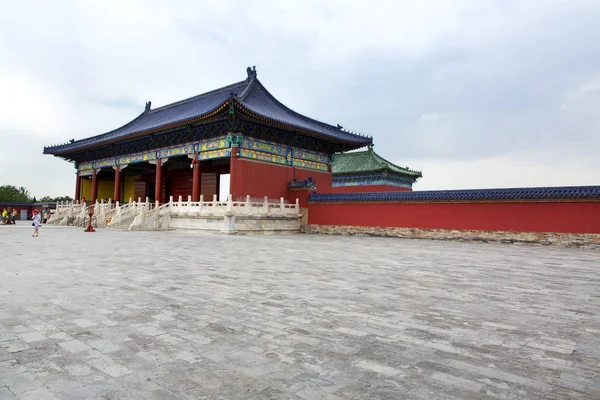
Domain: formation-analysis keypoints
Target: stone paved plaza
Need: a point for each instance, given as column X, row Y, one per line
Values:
column 170, row 315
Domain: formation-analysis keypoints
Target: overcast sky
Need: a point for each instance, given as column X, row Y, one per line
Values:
column 475, row 93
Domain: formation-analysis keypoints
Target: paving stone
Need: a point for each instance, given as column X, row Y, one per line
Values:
column 179, row 315
column 30, row 337
column 75, row 346
column 6, row 394
column 11, row 367
column 21, row 383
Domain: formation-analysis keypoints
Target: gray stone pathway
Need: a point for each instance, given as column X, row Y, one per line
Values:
column 170, row 315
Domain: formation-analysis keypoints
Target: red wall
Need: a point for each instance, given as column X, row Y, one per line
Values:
column 259, row 179
column 180, row 184
column 567, row 217
column 300, row 195
column 366, row 188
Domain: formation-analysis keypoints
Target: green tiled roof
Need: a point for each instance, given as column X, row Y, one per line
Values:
column 361, row 162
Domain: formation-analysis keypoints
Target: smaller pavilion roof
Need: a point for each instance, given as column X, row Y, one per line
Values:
column 363, row 162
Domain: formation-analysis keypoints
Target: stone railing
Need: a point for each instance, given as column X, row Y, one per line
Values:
column 148, row 216
column 70, row 213
column 239, row 208
column 65, row 213
column 126, row 213
column 203, row 214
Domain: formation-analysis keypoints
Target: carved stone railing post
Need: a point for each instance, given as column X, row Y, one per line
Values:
column 282, row 206
column 201, row 203
column 214, row 204
column 189, row 205
column 266, row 206
column 179, row 205
column 248, row 205
column 141, row 217
column 229, row 216
column 229, row 204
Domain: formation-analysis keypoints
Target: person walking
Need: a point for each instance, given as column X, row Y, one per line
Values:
column 36, row 222
column 14, row 215
column 4, row 216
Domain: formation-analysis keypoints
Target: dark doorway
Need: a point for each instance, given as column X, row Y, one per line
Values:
column 151, row 190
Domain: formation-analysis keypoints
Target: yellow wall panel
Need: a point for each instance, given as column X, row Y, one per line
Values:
column 128, row 187
column 105, row 189
column 86, row 189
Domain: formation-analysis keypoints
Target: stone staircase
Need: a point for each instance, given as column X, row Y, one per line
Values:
column 123, row 225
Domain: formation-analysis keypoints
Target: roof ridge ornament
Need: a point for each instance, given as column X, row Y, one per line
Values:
column 148, row 104
column 251, row 72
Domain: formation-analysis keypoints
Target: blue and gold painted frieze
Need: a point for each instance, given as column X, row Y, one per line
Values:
column 209, row 155
column 176, row 151
column 85, row 166
column 136, row 158
column 212, row 144
column 310, row 165
column 265, row 146
column 88, row 172
column 371, row 180
column 220, row 147
column 262, row 156
column 264, row 150
column 109, row 162
column 311, row 156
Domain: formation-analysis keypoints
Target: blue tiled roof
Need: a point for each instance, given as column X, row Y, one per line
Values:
column 303, row 184
column 258, row 100
column 179, row 112
column 249, row 94
column 536, row 193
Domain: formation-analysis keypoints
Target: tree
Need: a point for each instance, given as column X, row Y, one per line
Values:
column 13, row 193
column 48, row 199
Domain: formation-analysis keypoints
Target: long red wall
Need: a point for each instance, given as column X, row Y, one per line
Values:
column 372, row 188
column 556, row 216
column 259, row 179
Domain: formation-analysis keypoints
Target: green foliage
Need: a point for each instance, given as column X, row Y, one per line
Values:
column 13, row 193
column 48, row 199
column 20, row 194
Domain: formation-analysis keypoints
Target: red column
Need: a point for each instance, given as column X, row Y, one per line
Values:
column 77, row 188
column 158, row 185
column 233, row 171
column 196, row 183
column 94, row 186
column 117, row 190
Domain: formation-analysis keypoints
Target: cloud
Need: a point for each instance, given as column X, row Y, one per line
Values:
column 441, row 84
column 524, row 169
